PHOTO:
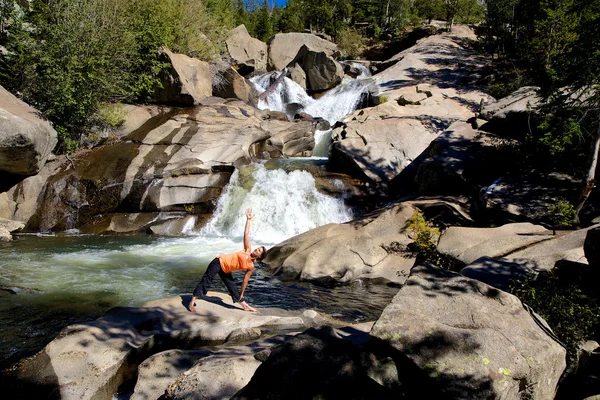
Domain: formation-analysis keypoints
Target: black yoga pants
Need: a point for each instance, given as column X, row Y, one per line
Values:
column 213, row 269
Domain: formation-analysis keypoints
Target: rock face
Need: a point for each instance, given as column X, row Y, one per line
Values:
column 186, row 82
column 464, row 339
column 248, row 53
column 173, row 164
column 283, row 48
column 510, row 115
column 26, row 140
column 363, row 248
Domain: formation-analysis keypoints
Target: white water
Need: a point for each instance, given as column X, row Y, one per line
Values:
column 285, row 204
column 332, row 106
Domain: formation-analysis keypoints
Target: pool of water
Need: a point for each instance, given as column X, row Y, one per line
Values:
column 61, row 280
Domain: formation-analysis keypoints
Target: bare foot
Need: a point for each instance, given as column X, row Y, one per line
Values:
column 192, row 307
column 249, row 308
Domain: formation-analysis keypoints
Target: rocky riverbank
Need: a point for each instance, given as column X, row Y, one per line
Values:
column 434, row 144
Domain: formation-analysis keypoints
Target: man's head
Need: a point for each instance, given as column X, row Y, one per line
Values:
column 259, row 253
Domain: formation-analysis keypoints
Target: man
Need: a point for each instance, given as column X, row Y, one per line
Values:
column 225, row 264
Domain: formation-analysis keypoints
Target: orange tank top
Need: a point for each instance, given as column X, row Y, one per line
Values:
column 237, row 261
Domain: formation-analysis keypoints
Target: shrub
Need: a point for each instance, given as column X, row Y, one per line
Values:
column 572, row 314
column 351, row 43
column 425, row 237
column 562, row 215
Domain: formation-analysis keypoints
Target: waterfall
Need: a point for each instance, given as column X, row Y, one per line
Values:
column 332, row 106
column 285, row 204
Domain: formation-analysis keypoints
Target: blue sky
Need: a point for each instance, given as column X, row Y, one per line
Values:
column 281, row 2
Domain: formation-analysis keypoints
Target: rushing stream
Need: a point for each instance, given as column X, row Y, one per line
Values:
column 51, row 281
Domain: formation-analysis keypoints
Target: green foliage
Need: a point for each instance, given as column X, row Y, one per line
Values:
column 351, row 43
column 67, row 57
column 424, row 245
column 562, row 215
column 572, row 314
column 111, row 114
column 429, row 9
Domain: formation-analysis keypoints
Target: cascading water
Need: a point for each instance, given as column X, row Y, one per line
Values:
column 332, row 106
column 287, row 96
column 285, row 203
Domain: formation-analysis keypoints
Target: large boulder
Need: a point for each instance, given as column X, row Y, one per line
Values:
column 185, row 82
column 325, row 363
column 90, row 360
column 378, row 149
column 567, row 245
column 511, row 115
column 26, row 140
column 233, row 86
column 369, row 247
column 458, row 161
column 322, row 71
column 283, row 48
column 248, row 53
column 468, row 244
column 218, row 376
column 455, row 337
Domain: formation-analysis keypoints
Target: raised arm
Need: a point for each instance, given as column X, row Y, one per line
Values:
column 249, row 215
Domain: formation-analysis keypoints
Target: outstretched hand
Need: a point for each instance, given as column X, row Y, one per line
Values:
column 249, row 214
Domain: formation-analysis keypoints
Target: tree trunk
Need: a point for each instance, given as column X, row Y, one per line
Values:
column 590, row 177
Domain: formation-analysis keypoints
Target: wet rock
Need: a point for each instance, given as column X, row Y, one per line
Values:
column 248, row 53
column 455, row 337
column 297, row 74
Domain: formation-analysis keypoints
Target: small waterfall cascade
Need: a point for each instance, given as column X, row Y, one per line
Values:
column 289, row 97
column 364, row 71
column 285, row 204
column 279, row 93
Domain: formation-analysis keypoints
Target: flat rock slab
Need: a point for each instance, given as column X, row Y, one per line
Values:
column 460, row 338
column 469, row 244
column 91, row 360
column 566, row 245
column 498, row 272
